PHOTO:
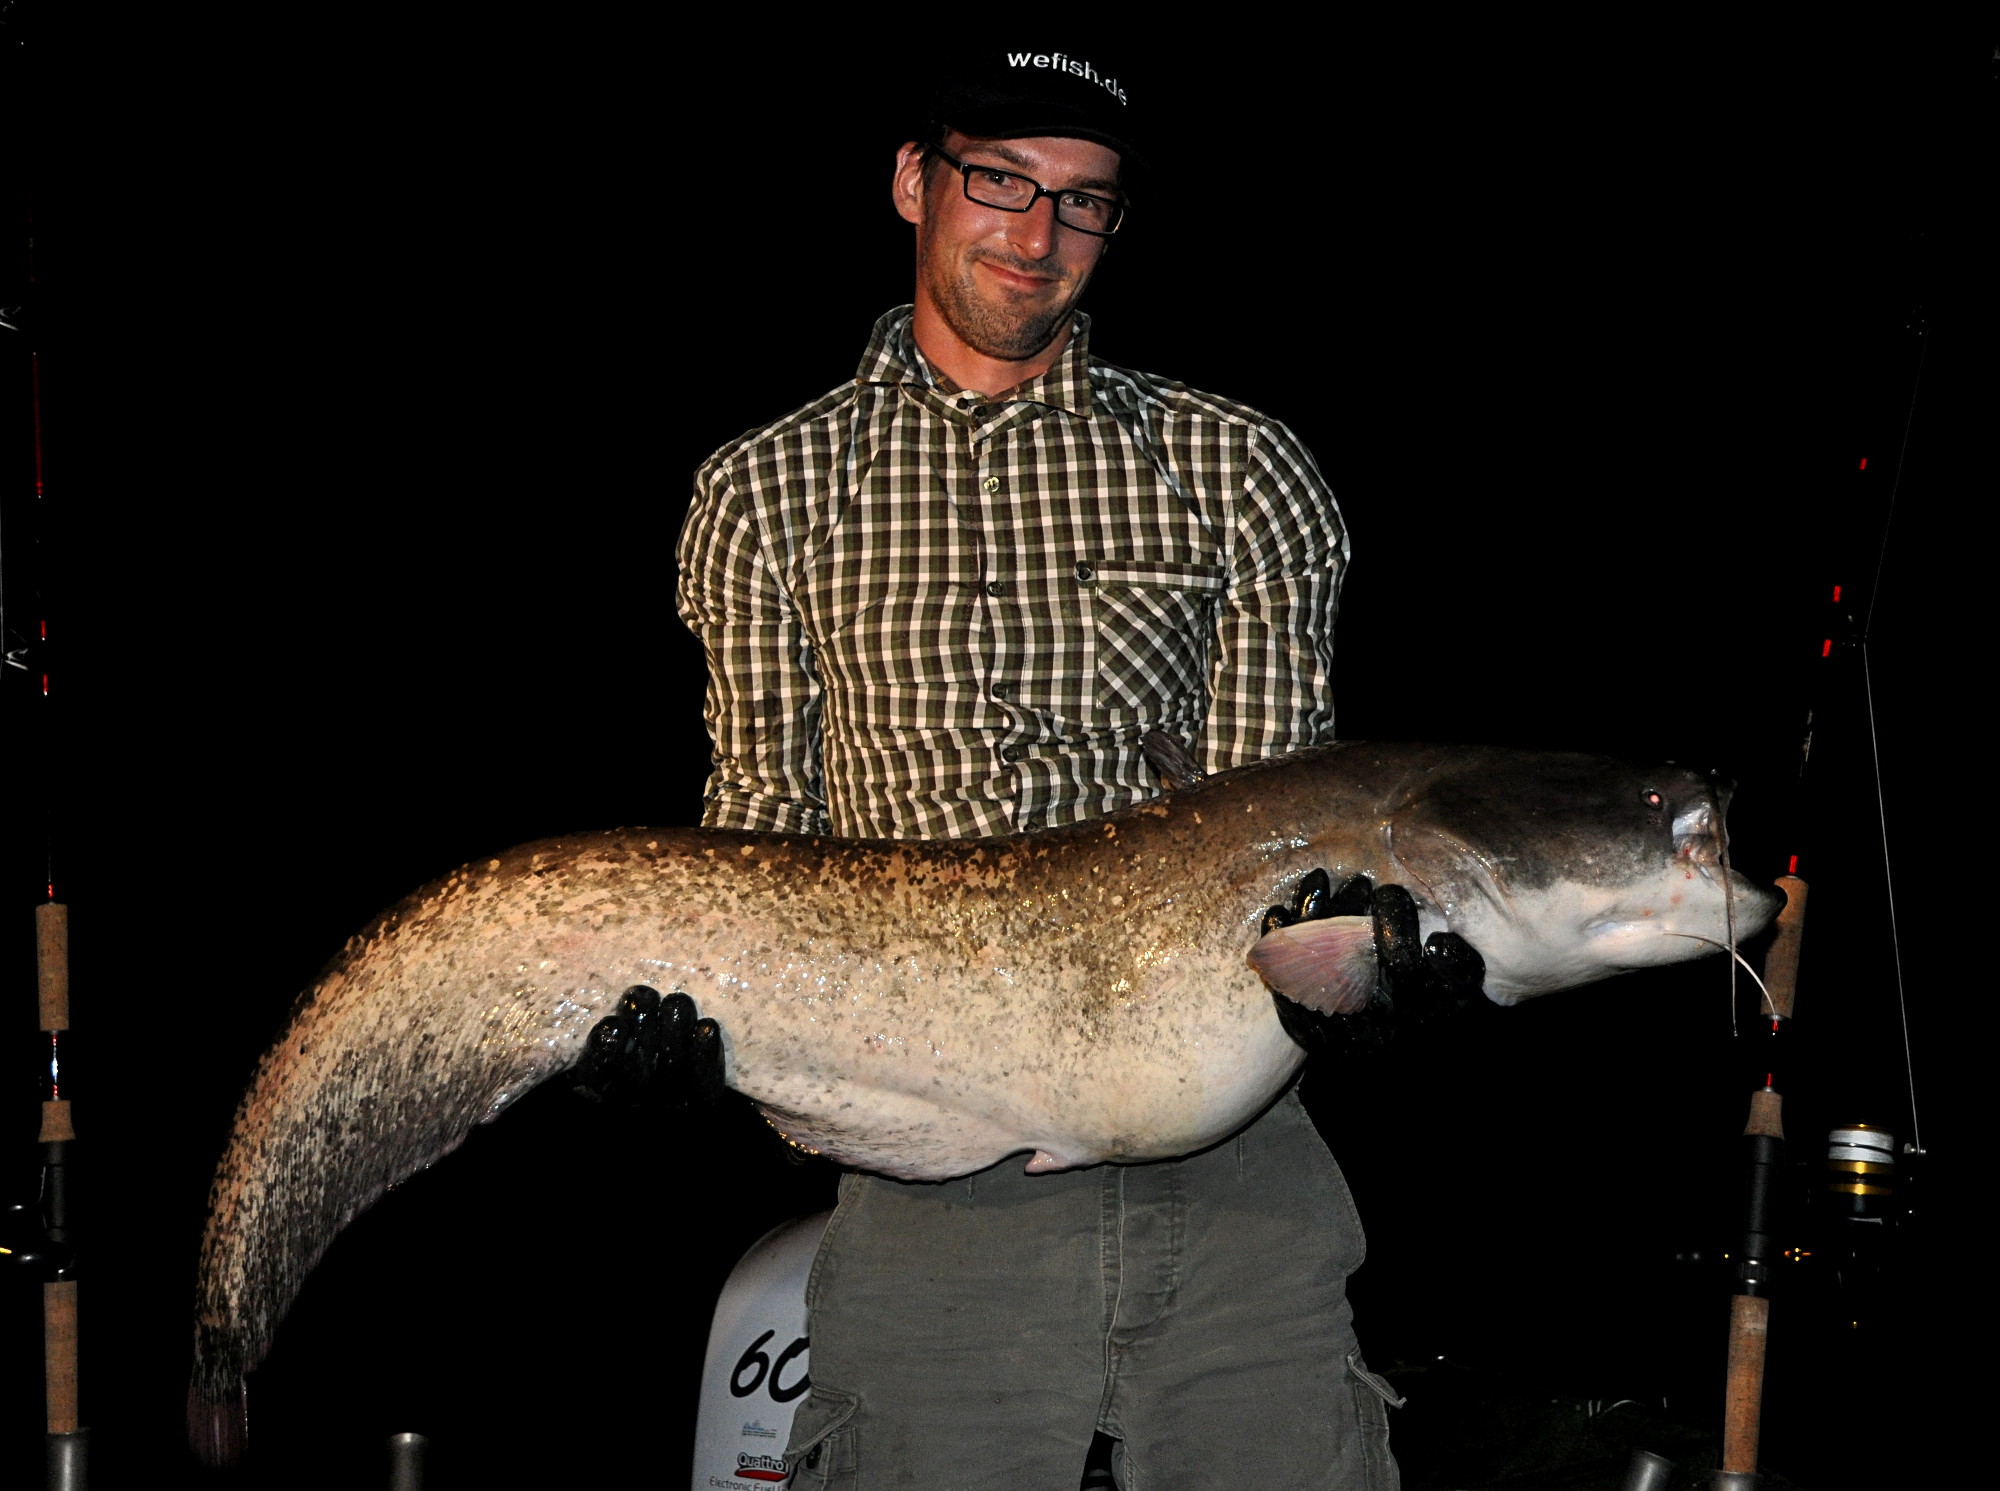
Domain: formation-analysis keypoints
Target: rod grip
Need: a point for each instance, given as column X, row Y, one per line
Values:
column 52, row 963
column 1767, row 1114
column 1743, row 1405
column 1781, row 963
column 59, row 1354
column 57, row 1126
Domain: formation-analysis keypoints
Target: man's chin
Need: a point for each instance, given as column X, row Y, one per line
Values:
column 1003, row 327
column 1012, row 339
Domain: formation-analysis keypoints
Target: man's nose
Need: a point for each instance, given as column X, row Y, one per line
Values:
column 1032, row 234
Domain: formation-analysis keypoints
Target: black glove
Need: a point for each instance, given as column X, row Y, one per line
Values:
column 1441, row 976
column 651, row 1052
column 1415, row 982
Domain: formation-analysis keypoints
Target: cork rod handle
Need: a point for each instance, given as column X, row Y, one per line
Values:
column 1781, row 963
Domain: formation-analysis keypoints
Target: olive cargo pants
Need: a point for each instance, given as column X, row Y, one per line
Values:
column 975, row 1334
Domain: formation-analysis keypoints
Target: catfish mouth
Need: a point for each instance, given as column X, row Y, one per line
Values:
column 1699, row 837
column 1701, row 840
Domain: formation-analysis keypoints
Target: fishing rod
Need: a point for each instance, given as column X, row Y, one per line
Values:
column 1861, row 1159
column 1860, row 1156
column 39, row 1240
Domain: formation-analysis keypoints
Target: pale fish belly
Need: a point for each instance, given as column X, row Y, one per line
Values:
column 923, row 1098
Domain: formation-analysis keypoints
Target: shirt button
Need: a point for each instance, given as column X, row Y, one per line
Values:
column 1001, row 691
column 996, row 587
column 992, row 483
column 1013, row 753
column 1031, row 821
column 1085, row 572
column 981, row 411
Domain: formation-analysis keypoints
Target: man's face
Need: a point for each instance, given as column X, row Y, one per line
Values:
column 1004, row 283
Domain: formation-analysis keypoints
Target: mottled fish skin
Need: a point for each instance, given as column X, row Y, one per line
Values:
column 924, row 1009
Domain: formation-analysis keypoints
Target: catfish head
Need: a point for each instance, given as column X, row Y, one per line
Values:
column 1566, row 869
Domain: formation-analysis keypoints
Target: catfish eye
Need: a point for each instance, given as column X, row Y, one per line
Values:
column 1652, row 799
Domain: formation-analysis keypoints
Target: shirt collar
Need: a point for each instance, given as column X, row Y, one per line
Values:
column 892, row 357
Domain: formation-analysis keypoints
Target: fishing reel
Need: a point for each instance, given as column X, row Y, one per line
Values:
column 1858, row 1207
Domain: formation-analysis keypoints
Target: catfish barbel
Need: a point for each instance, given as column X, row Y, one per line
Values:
column 924, row 1009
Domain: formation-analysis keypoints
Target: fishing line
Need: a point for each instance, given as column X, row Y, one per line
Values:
column 1861, row 638
column 1874, row 743
column 1895, row 486
column 1770, row 1004
column 1889, row 883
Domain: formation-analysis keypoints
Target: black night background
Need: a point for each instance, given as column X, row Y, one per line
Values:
column 377, row 353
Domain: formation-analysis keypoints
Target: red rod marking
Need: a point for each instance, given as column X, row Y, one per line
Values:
column 1836, row 595
column 1826, row 648
column 1864, row 463
column 1793, row 868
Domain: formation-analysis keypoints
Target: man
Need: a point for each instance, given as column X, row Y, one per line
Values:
column 951, row 598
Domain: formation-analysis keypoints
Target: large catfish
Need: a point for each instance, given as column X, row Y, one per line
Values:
column 1101, row 991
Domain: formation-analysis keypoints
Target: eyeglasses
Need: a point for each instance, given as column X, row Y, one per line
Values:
column 990, row 186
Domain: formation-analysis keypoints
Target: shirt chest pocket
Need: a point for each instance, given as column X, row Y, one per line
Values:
column 1154, row 628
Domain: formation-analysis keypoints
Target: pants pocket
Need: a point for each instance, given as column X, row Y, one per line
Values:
column 822, row 1451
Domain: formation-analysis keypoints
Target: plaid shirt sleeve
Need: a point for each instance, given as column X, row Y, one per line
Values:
column 763, row 703
column 1271, row 669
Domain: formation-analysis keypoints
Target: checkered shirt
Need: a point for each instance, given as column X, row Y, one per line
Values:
column 928, row 614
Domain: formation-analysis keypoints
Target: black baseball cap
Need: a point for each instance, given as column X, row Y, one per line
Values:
column 1006, row 93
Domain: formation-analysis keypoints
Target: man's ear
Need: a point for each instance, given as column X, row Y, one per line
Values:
column 907, row 188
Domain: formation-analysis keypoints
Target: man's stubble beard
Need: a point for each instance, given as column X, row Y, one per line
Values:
column 1004, row 333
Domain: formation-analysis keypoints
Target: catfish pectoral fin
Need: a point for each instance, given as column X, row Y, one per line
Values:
column 1328, row 965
